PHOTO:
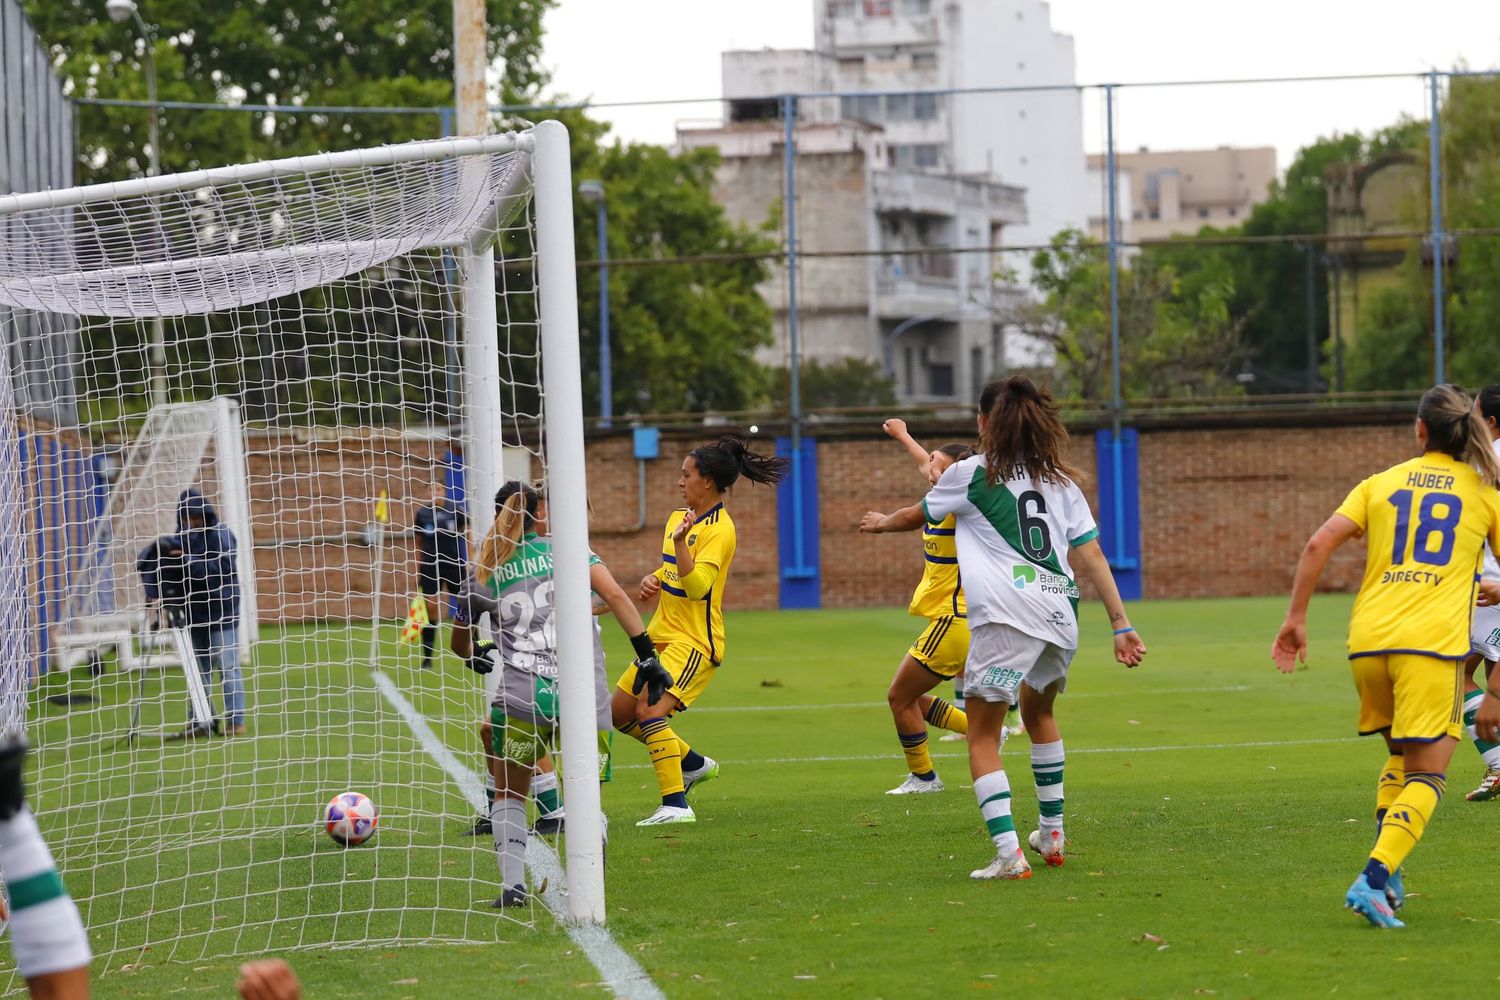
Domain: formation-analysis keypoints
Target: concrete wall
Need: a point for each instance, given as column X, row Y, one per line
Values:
column 1224, row 512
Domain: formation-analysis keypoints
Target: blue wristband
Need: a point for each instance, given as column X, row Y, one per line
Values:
column 1122, row 631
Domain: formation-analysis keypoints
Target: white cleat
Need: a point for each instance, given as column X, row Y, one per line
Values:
column 669, row 814
column 914, row 785
column 1052, row 846
column 708, row 772
column 951, row 737
column 1013, row 867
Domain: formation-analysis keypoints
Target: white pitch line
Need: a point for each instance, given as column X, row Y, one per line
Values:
column 1071, row 751
column 880, row 704
column 622, row 974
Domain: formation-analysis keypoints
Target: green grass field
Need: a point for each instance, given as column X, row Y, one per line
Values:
column 1217, row 811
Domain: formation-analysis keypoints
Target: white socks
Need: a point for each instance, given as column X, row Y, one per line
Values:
column 1047, row 769
column 993, row 792
column 508, row 817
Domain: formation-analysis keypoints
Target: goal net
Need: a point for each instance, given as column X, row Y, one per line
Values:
column 275, row 367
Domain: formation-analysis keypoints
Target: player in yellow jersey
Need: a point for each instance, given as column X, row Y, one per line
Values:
column 1425, row 523
column 939, row 652
column 688, row 627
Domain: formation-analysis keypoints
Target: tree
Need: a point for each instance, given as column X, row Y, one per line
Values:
column 1177, row 335
column 1393, row 346
column 1271, row 276
column 684, row 334
column 282, row 52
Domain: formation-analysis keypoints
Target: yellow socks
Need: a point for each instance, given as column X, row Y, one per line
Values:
column 945, row 716
column 1407, row 817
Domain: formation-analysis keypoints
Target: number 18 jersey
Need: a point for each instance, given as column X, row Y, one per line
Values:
column 1425, row 523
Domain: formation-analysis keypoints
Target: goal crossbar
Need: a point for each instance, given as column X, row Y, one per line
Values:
column 380, row 156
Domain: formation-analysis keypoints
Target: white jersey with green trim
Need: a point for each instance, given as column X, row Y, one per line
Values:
column 1490, row 569
column 1013, row 542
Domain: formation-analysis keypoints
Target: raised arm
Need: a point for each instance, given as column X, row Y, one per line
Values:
column 1090, row 562
column 649, row 673
column 896, row 428
column 604, row 584
column 906, row 519
column 1290, row 644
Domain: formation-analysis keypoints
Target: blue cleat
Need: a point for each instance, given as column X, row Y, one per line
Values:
column 1370, row 904
column 1395, row 891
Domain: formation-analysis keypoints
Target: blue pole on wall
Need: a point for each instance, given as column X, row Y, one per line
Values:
column 795, row 564
column 1435, row 182
column 1120, row 485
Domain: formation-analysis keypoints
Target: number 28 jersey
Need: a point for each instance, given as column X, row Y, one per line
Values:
column 1013, row 542
column 1425, row 523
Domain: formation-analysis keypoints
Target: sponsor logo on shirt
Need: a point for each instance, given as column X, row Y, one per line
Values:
column 1026, row 576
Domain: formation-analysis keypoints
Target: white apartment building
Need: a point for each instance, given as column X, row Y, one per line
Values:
column 904, row 179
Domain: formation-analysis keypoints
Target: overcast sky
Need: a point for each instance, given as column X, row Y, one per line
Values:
column 652, row 50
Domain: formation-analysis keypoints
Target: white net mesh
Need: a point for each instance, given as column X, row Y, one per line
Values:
column 308, row 319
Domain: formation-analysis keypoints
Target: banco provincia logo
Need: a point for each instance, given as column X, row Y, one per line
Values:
column 1023, row 575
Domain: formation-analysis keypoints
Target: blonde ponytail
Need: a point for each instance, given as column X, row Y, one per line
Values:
column 504, row 536
column 1456, row 428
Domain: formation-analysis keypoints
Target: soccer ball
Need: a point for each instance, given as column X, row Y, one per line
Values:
column 350, row 819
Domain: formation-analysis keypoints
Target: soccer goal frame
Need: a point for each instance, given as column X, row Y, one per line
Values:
column 562, row 437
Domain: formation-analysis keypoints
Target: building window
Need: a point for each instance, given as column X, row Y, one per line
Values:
column 1202, row 213
column 851, row 64
column 1233, row 211
column 924, row 106
column 898, row 107
column 940, row 380
column 860, row 108
column 877, row 8
column 1155, row 215
column 921, row 155
column 976, row 370
column 911, row 375
column 924, row 61
column 840, row 8
column 916, row 8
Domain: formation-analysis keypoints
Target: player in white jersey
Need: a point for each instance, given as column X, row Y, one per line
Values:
column 1484, row 630
column 1023, row 525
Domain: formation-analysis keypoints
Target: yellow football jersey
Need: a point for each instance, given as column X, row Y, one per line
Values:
column 940, row 592
column 1425, row 523
column 696, row 620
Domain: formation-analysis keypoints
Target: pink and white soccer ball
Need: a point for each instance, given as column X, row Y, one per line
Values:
column 350, row 818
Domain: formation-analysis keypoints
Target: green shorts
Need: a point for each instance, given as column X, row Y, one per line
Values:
column 521, row 741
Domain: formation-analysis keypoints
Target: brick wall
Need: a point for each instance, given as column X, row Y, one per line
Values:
column 1224, row 512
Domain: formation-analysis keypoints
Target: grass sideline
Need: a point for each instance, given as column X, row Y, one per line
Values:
column 1217, row 811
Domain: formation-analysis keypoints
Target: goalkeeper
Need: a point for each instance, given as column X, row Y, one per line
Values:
column 514, row 568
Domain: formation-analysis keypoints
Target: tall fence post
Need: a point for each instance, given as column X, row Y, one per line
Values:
column 797, row 566
column 1119, row 488
column 1435, row 181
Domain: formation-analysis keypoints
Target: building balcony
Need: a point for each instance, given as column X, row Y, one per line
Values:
column 947, row 195
column 884, row 32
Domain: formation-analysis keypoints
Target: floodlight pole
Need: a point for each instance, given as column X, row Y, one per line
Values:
column 1435, row 182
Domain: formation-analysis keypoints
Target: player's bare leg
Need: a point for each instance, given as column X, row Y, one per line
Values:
column 908, row 698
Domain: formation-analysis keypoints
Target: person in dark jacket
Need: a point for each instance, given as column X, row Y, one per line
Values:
column 442, row 558
column 192, row 575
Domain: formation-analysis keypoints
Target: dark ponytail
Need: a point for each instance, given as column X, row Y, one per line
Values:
column 957, row 452
column 1454, row 428
column 729, row 458
column 1022, row 427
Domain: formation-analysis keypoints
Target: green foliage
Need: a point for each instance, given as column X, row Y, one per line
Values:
column 683, row 335
column 1177, row 334
column 848, row 382
column 1271, row 277
column 1393, row 347
column 285, row 52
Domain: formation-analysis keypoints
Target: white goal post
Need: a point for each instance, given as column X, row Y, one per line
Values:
column 316, row 310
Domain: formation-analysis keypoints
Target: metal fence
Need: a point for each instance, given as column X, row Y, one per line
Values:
column 36, row 151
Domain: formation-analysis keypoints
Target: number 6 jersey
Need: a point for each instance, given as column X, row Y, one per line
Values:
column 1013, row 541
column 1425, row 524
